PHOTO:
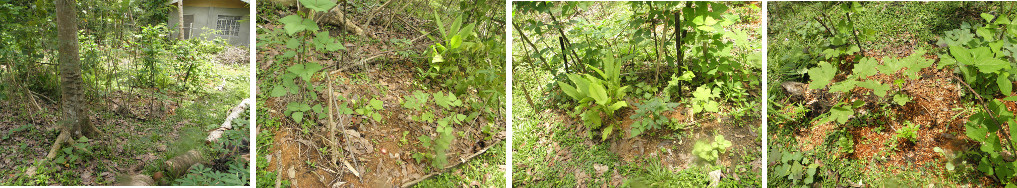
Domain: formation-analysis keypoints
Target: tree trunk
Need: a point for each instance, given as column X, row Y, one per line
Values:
column 75, row 118
column 180, row 15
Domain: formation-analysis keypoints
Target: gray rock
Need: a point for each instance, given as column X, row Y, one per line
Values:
column 715, row 178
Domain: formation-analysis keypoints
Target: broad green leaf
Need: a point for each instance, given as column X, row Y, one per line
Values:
column 617, row 105
column 437, row 56
column 304, row 71
column 598, row 93
column 988, row 17
column 866, row 67
column 294, row 24
column 376, row 104
column 569, row 90
column 877, row 88
column 974, row 128
column 591, row 118
column 821, row 75
column 901, row 99
column 298, row 116
column 319, row 5
column 1005, row 86
column 844, row 86
column 278, row 91
column 712, row 106
column 606, row 132
column 984, row 60
column 961, row 54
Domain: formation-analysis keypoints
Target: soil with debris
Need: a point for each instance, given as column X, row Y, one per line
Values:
column 677, row 153
column 937, row 106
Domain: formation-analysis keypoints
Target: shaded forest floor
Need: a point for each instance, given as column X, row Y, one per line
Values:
column 141, row 129
column 380, row 67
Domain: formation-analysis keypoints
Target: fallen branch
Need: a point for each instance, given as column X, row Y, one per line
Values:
column 228, row 124
column 137, row 180
column 178, row 165
column 334, row 17
column 468, row 158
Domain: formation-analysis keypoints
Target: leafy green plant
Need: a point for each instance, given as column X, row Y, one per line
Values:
column 296, row 111
column 795, row 166
column 909, row 132
column 901, row 99
column 711, row 151
column 605, row 94
column 822, row 76
column 438, row 147
column 704, row 99
column 236, row 175
column 454, row 39
column 649, row 115
column 984, row 60
column 370, row 109
column 79, row 149
column 846, row 143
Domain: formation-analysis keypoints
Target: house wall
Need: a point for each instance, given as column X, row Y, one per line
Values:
column 206, row 16
column 215, row 3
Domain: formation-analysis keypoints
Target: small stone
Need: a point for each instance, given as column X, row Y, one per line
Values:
column 30, row 171
column 715, row 178
column 600, row 169
column 292, row 173
column 160, row 148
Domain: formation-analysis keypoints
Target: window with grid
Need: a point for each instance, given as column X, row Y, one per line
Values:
column 228, row 25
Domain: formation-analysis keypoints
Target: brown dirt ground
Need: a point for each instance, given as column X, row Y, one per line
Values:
column 678, row 153
column 379, row 170
column 935, row 106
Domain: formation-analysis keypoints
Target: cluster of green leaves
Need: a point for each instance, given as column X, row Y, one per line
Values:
column 438, row 146
column 445, row 117
column 606, row 94
column 703, row 99
column 985, row 60
column 840, row 44
column 795, row 166
column 236, row 175
column 7, row 135
column 371, row 109
column 454, row 42
column 649, row 115
column 909, row 132
column 823, row 74
column 303, row 36
column 846, row 142
column 70, row 156
column 711, row 151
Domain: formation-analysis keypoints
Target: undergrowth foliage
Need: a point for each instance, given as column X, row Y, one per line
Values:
column 985, row 61
column 697, row 49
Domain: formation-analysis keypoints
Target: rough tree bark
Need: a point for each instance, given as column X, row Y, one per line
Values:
column 180, row 15
column 74, row 121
